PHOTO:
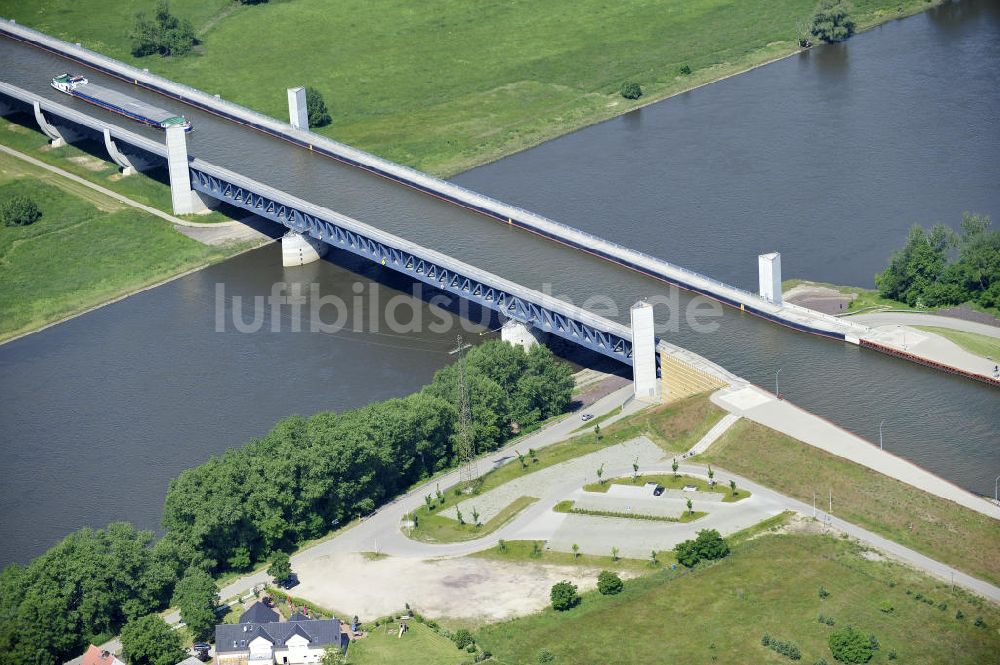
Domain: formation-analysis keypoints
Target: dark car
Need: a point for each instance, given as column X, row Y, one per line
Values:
column 659, row 490
column 291, row 582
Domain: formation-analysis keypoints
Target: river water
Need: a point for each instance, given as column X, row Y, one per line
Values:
column 827, row 156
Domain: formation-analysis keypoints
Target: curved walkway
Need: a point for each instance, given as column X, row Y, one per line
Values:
column 877, row 319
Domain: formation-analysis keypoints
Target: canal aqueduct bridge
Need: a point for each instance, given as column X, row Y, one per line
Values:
column 531, row 314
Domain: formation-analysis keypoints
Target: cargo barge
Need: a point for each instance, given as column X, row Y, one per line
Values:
column 112, row 100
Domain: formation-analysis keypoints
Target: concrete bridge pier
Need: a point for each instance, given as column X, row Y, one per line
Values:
column 298, row 113
column 127, row 168
column 644, row 382
column 184, row 200
column 769, row 277
column 298, row 249
column 56, row 139
column 521, row 334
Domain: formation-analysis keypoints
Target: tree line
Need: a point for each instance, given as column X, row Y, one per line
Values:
column 941, row 267
column 241, row 507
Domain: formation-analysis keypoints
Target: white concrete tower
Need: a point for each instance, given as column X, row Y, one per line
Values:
column 769, row 277
column 298, row 249
column 644, row 381
column 184, row 199
column 298, row 113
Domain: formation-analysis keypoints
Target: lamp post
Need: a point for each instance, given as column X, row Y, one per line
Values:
column 776, row 391
column 880, row 434
column 996, row 483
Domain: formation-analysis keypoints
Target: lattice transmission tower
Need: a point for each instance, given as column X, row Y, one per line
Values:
column 466, row 439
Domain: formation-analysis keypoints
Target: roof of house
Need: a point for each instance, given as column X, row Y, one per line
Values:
column 98, row 656
column 236, row 637
column 298, row 616
column 258, row 613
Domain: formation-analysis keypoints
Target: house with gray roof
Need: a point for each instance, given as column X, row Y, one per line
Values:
column 298, row 641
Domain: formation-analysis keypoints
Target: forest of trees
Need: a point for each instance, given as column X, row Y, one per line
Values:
column 941, row 267
column 238, row 508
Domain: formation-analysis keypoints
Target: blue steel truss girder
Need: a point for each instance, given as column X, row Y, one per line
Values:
column 447, row 278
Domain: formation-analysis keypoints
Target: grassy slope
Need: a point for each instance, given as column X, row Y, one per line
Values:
column 435, row 528
column 938, row 528
column 981, row 345
column 719, row 613
column 869, row 299
column 85, row 250
column 447, row 85
column 419, row 646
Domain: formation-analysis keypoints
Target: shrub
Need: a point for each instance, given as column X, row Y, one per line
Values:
column 709, row 545
column 545, row 656
column 832, row 21
column 979, row 623
column 850, row 645
column 316, row 108
column 564, row 596
column 164, row 34
column 608, row 583
column 829, row 621
column 685, row 70
column 959, row 615
column 787, row 649
column 462, row 638
column 19, row 211
column 631, row 90
column 823, row 593
column 886, row 607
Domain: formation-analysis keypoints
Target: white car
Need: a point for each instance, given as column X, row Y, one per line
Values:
column 587, row 416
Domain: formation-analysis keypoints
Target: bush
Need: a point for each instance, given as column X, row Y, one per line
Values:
column 959, row 615
column 788, row 649
column 631, row 90
column 316, row 108
column 823, row 593
column 564, row 596
column 979, row 623
column 685, row 70
column 832, row 21
column 164, row 35
column 829, row 621
column 850, row 645
column 708, row 546
column 19, row 211
column 462, row 638
column 886, row 607
column 608, row 583
column 545, row 656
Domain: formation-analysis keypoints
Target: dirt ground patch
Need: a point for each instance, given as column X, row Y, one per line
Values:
column 463, row 588
column 820, row 298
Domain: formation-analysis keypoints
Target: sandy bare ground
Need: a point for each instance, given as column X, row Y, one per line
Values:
column 466, row 588
column 819, row 298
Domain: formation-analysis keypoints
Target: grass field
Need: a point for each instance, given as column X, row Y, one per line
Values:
column 933, row 526
column 418, row 646
column 672, row 482
column 86, row 249
column 719, row 613
column 448, row 85
column 981, row 345
column 89, row 160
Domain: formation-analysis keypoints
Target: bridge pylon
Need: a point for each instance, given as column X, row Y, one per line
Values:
column 645, row 385
column 521, row 334
column 184, row 200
